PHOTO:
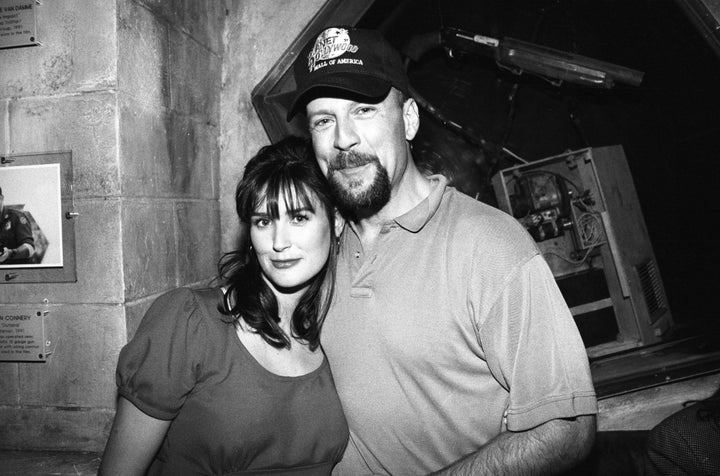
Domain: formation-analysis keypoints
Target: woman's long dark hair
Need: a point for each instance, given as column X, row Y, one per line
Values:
column 285, row 169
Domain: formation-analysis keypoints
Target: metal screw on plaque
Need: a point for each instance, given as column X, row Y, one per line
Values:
column 10, row 276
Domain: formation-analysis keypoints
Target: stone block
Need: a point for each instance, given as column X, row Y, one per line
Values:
column 57, row 463
column 201, row 19
column 85, row 340
column 85, row 125
column 98, row 251
column 193, row 158
column 10, row 388
column 253, row 34
column 77, row 429
column 78, row 53
column 142, row 56
column 144, row 154
column 198, row 241
column 149, row 248
column 135, row 311
column 98, row 261
column 207, row 24
column 194, row 77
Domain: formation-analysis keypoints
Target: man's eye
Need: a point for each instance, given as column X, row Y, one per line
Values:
column 320, row 124
column 364, row 110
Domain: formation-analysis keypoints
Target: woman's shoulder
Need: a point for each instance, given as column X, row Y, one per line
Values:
column 165, row 358
column 183, row 307
column 190, row 298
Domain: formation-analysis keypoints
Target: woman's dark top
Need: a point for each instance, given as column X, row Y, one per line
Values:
column 229, row 414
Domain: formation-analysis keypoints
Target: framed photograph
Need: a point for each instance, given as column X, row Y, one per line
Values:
column 31, row 215
column 37, row 219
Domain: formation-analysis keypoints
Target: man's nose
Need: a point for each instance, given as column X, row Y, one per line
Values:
column 345, row 135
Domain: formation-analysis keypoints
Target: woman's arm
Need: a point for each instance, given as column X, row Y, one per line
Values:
column 134, row 439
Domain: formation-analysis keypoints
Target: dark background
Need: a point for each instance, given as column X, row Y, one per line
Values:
column 667, row 125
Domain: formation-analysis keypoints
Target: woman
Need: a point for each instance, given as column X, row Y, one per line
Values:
column 232, row 380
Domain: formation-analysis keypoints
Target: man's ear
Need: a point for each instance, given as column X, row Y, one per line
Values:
column 411, row 117
column 339, row 223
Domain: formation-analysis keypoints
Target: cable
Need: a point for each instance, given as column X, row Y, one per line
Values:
column 589, row 228
column 578, row 262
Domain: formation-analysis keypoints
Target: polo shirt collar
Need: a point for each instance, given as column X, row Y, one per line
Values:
column 415, row 219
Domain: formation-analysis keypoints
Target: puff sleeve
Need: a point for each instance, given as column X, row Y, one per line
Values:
column 160, row 366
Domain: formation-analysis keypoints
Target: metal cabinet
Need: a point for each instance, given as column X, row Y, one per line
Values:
column 582, row 209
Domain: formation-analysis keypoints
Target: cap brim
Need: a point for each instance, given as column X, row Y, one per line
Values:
column 355, row 84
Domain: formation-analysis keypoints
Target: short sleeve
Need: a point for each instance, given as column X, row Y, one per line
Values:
column 24, row 230
column 160, row 365
column 536, row 350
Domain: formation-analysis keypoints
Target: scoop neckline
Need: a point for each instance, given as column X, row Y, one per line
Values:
column 257, row 363
column 264, row 369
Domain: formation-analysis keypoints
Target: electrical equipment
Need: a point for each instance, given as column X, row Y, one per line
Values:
column 582, row 210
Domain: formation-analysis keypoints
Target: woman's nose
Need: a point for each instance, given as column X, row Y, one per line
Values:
column 281, row 239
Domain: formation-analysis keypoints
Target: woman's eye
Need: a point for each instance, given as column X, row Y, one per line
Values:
column 300, row 218
column 261, row 222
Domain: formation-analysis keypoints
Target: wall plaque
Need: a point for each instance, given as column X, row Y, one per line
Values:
column 17, row 23
column 22, row 334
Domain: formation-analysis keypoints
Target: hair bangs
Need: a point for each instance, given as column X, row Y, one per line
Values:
column 290, row 189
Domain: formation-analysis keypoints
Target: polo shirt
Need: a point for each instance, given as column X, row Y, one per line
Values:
column 450, row 330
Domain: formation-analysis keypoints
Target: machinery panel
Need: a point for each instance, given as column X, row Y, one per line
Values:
column 582, row 210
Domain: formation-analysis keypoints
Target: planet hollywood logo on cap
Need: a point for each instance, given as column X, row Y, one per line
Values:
column 329, row 45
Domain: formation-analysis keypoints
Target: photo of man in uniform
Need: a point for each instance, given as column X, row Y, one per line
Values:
column 17, row 244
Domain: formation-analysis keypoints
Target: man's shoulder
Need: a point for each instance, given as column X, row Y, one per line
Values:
column 460, row 208
column 13, row 213
column 483, row 225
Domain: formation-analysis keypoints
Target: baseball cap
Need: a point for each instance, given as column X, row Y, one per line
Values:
column 354, row 60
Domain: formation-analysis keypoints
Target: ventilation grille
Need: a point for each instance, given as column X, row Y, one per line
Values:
column 652, row 289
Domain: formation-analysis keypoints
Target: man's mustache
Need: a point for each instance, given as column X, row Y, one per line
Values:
column 346, row 160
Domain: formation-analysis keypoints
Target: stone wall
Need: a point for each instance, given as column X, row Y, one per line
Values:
column 258, row 32
column 132, row 88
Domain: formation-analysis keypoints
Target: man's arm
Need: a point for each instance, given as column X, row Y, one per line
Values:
column 23, row 251
column 550, row 448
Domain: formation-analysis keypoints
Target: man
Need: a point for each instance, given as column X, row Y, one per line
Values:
column 450, row 344
column 16, row 239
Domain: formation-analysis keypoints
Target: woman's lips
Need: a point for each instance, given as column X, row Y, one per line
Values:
column 284, row 263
